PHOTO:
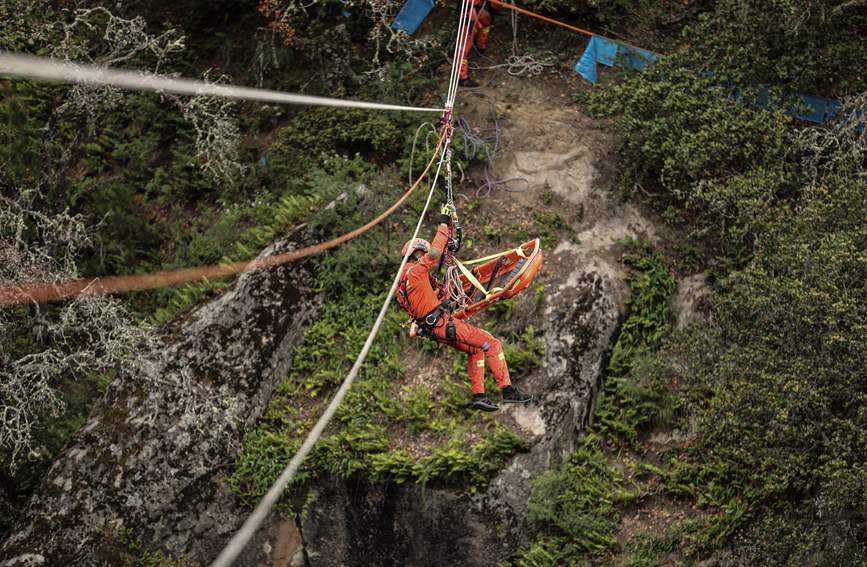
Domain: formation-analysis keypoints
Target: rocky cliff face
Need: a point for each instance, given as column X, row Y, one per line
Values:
column 155, row 462
column 358, row 523
column 151, row 460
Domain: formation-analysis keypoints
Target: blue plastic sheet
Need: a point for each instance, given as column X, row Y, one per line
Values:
column 412, row 15
column 818, row 109
column 610, row 53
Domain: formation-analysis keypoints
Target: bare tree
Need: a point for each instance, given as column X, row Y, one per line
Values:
column 43, row 346
column 840, row 145
column 95, row 35
column 218, row 138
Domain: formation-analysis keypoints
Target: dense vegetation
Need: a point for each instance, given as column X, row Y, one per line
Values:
column 152, row 182
column 765, row 398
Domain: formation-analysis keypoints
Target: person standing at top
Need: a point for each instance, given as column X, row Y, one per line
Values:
column 478, row 32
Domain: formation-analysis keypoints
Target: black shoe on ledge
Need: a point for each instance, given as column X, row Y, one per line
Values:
column 468, row 83
column 512, row 395
column 481, row 402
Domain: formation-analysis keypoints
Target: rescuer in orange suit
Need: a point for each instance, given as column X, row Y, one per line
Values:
column 479, row 31
column 418, row 296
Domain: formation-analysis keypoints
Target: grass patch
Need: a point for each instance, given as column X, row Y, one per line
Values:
column 575, row 508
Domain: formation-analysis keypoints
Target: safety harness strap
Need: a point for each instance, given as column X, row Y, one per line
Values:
column 471, row 278
column 519, row 251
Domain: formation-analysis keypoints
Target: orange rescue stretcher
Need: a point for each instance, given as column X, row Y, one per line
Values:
column 498, row 277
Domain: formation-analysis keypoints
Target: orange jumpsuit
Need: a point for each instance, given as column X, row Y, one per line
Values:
column 478, row 32
column 478, row 344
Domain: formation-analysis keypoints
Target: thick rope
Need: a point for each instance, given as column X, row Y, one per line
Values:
column 56, row 71
column 254, row 521
column 42, row 292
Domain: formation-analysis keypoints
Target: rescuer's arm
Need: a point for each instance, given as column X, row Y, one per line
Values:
column 429, row 260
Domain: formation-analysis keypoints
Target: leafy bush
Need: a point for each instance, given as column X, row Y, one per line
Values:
column 677, row 129
column 579, row 500
column 633, row 395
column 812, row 46
column 777, row 383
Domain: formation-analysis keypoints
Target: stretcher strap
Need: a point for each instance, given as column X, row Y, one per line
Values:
column 493, row 256
column 471, row 278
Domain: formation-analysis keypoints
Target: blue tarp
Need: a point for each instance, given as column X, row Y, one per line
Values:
column 412, row 15
column 610, row 53
column 607, row 52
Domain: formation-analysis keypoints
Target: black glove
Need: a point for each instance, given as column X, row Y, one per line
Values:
column 444, row 219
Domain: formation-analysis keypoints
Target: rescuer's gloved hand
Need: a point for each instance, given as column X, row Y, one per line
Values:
column 449, row 210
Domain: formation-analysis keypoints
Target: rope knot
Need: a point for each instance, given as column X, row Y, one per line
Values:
column 447, row 122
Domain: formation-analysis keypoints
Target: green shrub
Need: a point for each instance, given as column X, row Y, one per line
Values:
column 579, row 500
column 810, row 46
column 677, row 130
column 634, row 395
column 777, row 384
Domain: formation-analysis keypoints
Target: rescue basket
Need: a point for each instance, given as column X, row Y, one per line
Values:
column 498, row 277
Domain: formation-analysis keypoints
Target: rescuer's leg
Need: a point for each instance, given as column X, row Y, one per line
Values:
column 475, row 371
column 466, row 46
column 467, row 334
column 483, row 30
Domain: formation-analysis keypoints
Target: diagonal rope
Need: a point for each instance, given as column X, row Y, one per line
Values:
column 42, row 292
column 254, row 521
column 57, row 71
column 576, row 29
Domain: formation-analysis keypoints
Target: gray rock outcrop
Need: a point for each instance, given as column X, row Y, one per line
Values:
column 152, row 458
column 354, row 522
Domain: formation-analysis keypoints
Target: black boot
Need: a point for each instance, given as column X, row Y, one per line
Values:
column 512, row 395
column 481, row 402
column 468, row 83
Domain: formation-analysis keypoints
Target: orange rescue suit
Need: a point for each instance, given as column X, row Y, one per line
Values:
column 478, row 32
column 423, row 299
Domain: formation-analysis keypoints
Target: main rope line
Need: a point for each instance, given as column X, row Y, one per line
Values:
column 464, row 21
column 42, row 292
column 57, row 71
column 254, row 521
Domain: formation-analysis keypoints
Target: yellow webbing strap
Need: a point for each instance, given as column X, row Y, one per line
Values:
column 471, row 278
column 491, row 257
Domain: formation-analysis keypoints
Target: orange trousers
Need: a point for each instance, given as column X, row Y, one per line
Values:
column 479, row 346
column 479, row 31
